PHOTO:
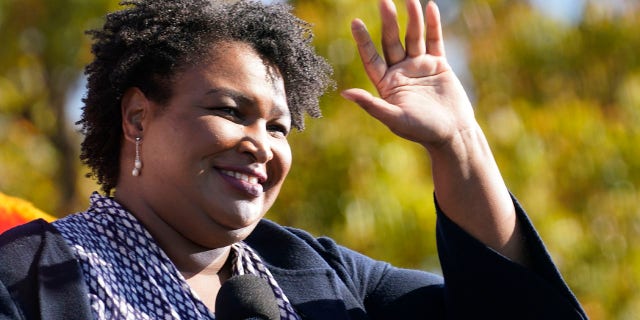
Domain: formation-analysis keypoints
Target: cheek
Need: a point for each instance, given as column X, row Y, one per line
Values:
column 179, row 145
column 206, row 136
column 283, row 153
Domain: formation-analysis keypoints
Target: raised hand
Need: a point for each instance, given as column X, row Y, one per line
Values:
column 421, row 99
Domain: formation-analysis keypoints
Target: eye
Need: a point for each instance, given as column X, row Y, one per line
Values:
column 227, row 112
column 278, row 130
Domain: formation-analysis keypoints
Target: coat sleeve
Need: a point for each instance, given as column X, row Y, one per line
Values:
column 482, row 284
column 478, row 283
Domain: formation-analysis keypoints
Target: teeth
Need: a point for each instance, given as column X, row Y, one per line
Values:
column 241, row 176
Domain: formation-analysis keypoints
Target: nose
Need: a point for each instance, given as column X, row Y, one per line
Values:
column 256, row 143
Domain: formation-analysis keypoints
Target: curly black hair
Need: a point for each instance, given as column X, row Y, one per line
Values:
column 148, row 42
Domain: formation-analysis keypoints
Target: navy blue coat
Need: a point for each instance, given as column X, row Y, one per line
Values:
column 40, row 278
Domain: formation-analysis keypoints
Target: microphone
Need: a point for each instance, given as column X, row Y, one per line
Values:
column 246, row 297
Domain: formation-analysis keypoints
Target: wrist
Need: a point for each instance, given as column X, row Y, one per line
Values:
column 464, row 150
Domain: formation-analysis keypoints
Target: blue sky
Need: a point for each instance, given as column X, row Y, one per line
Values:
column 565, row 10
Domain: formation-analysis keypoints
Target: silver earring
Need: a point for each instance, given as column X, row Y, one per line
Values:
column 137, row 164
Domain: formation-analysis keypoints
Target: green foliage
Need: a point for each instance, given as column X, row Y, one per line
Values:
column 42, row 56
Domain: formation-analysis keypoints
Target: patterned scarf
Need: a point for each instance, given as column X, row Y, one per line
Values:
column 130, row 277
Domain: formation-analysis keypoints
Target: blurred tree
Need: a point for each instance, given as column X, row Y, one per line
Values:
column 41, row 60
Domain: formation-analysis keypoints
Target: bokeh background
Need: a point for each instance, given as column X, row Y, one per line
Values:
column 555, row 84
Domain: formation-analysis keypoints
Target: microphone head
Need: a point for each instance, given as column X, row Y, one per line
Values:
column 246, row 297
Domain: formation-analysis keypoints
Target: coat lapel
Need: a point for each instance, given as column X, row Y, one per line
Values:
column 307, row 279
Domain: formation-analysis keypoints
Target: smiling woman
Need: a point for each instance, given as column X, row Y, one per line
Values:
column 188, row 110
column 229, row 119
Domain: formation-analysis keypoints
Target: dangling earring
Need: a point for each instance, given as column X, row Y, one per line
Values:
column 137, row 164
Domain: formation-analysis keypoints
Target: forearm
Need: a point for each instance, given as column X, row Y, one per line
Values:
column 472, row 193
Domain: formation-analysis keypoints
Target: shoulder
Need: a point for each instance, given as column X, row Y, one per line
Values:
column 377, row 284
column 34, row 227
column 24, row 245
column 287, row 243
column 292, row 247
column 296, row 250
column 26, row 236
column 37, row 266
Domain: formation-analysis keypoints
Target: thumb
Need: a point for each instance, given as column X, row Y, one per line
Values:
column 376, row 107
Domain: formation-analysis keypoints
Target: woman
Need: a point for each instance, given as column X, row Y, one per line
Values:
column 186, row 119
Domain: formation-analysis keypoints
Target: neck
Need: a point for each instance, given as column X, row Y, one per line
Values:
column 212, row 262
column 189, row 257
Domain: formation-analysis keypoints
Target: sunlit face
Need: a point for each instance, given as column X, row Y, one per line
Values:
column 217, row 154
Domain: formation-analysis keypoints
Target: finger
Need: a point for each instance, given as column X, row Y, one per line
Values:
column 391, row 45
column 374, row 65
column 376, row 107
column 414, row 39
column 435, row 42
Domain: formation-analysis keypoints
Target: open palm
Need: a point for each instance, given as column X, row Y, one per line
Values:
column 421, row 99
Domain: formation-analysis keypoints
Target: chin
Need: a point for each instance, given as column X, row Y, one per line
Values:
column 242, row 217
column 240, row 234
column 223, row 238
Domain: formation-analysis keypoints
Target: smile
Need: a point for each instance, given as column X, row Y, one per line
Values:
column 241, row 176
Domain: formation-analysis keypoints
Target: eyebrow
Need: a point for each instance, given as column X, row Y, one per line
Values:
column 243, row 99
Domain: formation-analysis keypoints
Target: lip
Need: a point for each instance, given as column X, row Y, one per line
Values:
column 245, row 180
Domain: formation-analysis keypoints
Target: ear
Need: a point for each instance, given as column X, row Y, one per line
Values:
column 134, row 108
